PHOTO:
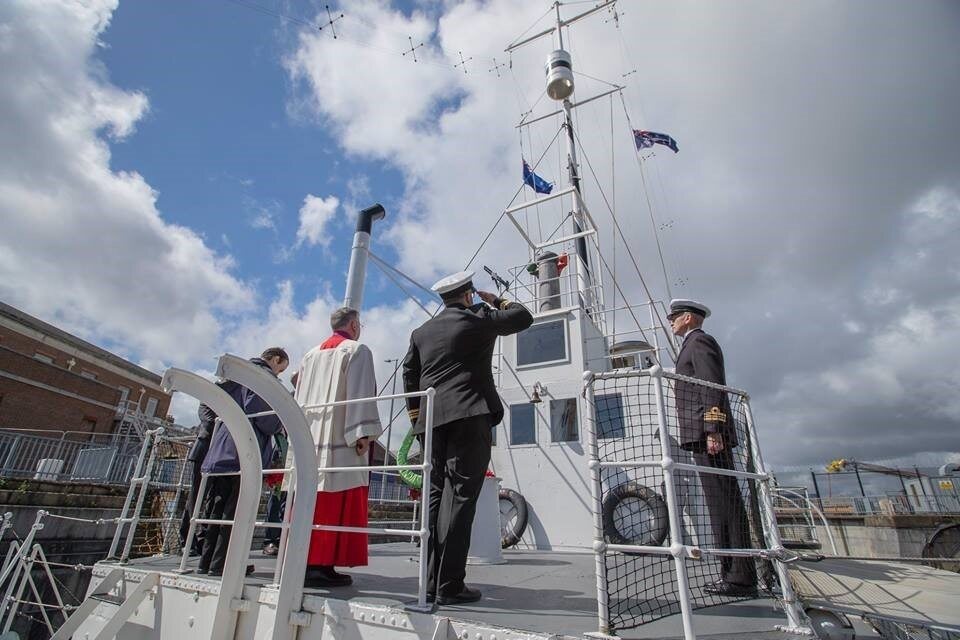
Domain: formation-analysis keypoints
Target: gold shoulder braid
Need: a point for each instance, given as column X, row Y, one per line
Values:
column 504, row 303
column 414, row 414
column 715, row 415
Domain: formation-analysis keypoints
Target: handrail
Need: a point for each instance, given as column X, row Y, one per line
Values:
column 306, row 478
column 248, row 452
column 680, row 551
column 780, row 491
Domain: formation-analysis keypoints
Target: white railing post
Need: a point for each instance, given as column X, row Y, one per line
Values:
column 251, row 469
column 112, row 553
column 791, row 606
column 143, row 483
column 677, row 549
column 596, row 498
column 304, row 483
column 425, row 503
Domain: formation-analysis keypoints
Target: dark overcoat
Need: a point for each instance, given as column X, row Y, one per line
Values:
column 453, row 354
column 702, row 410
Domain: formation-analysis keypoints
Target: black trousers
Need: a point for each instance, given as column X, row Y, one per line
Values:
column 276, row 507
column 191, row 502
column 728, row 517
column 461, row 453
column 220, row 503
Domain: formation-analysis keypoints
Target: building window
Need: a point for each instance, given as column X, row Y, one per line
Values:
column 610, row 423
column 523, row 424
column 151, row 409
column 89, row 424
column 124, row 394
column 542, row 343
column 42, row 357
column 563, row 420
column 89, row 375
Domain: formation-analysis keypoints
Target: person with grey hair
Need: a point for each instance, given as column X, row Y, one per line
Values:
column 340, row 368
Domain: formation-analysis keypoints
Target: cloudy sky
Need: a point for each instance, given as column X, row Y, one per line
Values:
column 180, row 179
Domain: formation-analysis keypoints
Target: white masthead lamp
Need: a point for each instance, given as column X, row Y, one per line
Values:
column 559, row 75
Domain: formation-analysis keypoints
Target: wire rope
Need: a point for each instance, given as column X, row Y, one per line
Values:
column 633, row 258
column 646, row 195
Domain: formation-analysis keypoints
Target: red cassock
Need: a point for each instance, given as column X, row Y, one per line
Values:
column 335, row 548
column 339, row 508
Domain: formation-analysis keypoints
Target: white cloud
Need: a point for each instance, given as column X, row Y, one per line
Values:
column 84, row 245
column 315, row 216
column 785, row 196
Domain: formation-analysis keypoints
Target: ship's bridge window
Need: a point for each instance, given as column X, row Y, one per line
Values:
column 542, row 343
column 523, row 424
column 610, row 419
column 563, row 420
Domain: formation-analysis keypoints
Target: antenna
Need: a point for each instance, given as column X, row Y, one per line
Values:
column 330, row 21
column 413, row 49
column 462, row 62
column 496, row 67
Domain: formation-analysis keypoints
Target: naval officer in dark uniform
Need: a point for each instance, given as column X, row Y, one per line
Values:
column 452, row 353
column 707, row 429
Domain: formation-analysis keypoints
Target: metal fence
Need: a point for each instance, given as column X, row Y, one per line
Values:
column 73, row 457
column 863, row 492
column 888, row 505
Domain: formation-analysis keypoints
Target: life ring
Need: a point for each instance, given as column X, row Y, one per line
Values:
column 410, row 477
column 511, row 535
column 651, row 536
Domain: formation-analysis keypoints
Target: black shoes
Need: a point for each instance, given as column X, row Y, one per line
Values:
column 731, row 590
column 325, row 577
column 217, row 574
column 465, row 596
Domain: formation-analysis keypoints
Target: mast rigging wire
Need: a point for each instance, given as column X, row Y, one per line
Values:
column 512, row 200
column 646, row 195
column 633, row 258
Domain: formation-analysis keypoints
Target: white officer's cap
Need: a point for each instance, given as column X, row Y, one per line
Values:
column 679, row 305
column 450, row 284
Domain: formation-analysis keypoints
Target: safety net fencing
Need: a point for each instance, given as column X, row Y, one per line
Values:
column 721, row 509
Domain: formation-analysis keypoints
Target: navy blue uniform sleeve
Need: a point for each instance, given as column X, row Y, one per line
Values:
column 509, row 317
column 707, row 361
column 411, row 379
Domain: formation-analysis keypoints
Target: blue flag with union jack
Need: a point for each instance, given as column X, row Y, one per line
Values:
column 646, row 139
column 539, row 184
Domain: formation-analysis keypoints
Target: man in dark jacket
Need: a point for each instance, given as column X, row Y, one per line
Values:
column 195, row 459
column 220, row 501
column 452, row 353
column 707, row 429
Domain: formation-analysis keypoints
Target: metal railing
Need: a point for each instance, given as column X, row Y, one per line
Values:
column 672, row 472
column 896, row 504
column 296, row 530
column 98, row 458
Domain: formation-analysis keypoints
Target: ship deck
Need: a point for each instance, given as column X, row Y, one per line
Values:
column 538, row 591
column 555, row 593
column 912, row 593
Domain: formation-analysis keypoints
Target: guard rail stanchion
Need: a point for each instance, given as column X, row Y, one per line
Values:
column 791, row 606
column 142, row 482
column 248, row 451
column 124, row 512
column 305, row 478
column 596, row 496
column 427, row 467
column 677, row 549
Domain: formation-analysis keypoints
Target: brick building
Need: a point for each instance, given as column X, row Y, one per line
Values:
column 51, row 380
